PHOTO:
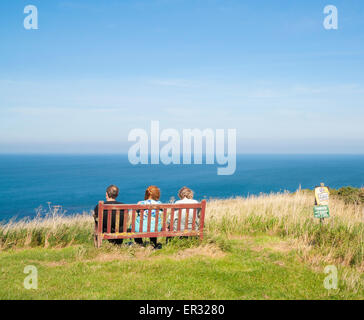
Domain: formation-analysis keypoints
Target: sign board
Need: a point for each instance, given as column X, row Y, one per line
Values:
column 322, row 196
column 321, row 211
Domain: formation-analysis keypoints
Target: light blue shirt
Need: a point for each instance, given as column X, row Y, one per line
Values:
column 145, row 218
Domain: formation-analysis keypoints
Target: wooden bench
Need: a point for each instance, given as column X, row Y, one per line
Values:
column 129, row 213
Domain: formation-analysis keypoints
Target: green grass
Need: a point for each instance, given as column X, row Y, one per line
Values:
column 260, row 247
column 231, row 269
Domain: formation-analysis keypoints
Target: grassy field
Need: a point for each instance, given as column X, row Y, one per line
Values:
column 264, row 247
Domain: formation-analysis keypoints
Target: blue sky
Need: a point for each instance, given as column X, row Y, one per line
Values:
column 95, row 69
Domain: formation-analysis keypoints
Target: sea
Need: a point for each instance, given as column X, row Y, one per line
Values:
column 31, row 184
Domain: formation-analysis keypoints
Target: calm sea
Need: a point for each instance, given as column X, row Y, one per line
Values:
column 78, row 182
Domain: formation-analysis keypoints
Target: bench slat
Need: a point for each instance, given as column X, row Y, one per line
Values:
column 156, row 221
column 125, row 222
column 186, row 219
column 117, row 220
column 164, row 219
column 152, row 206
column 100, row 217
column 133, row 221
column 171, row 227
column 194, row 220
column 108, row 221
column 128, row 235
column 149, row 220
column 179, row 219
column 141, row 218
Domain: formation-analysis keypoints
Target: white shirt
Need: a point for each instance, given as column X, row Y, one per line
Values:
column 183, row 215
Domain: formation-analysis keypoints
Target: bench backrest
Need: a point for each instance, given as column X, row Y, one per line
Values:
column 133, row 219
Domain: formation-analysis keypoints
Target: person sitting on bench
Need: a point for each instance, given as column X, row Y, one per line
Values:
column 112, row 193
column 186, row 196
column 152, row 195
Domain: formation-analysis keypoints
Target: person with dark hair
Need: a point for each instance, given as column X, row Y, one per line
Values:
column 152, row 195
column 112, row 193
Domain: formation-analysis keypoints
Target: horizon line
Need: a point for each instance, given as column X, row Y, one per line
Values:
column 125, row 153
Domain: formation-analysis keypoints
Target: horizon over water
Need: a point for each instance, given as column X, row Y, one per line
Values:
column 77, row 182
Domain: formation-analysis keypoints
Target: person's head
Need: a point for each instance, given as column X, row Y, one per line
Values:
column 185, row 192
column 112, row 192
column 152, row 193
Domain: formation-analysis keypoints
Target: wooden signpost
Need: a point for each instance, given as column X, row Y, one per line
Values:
column 321, row 208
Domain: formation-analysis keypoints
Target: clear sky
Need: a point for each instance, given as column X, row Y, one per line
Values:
column 96, row 69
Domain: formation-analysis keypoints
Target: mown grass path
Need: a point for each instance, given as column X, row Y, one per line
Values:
column 252, row 269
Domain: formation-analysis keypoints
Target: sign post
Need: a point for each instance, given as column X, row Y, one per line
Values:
column 321, row 208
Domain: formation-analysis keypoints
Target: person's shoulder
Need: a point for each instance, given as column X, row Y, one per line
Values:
column 152, row 201
column 186, row 201
column 113, row 202
column 149, row 201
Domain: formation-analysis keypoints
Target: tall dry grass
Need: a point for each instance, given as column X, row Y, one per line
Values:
column 54, row 229
column 338, row 240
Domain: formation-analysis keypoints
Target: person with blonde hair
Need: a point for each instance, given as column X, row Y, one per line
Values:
column 152, row 196
column 186, row 197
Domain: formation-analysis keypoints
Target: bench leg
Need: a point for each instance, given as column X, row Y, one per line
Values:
column 97, row 241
